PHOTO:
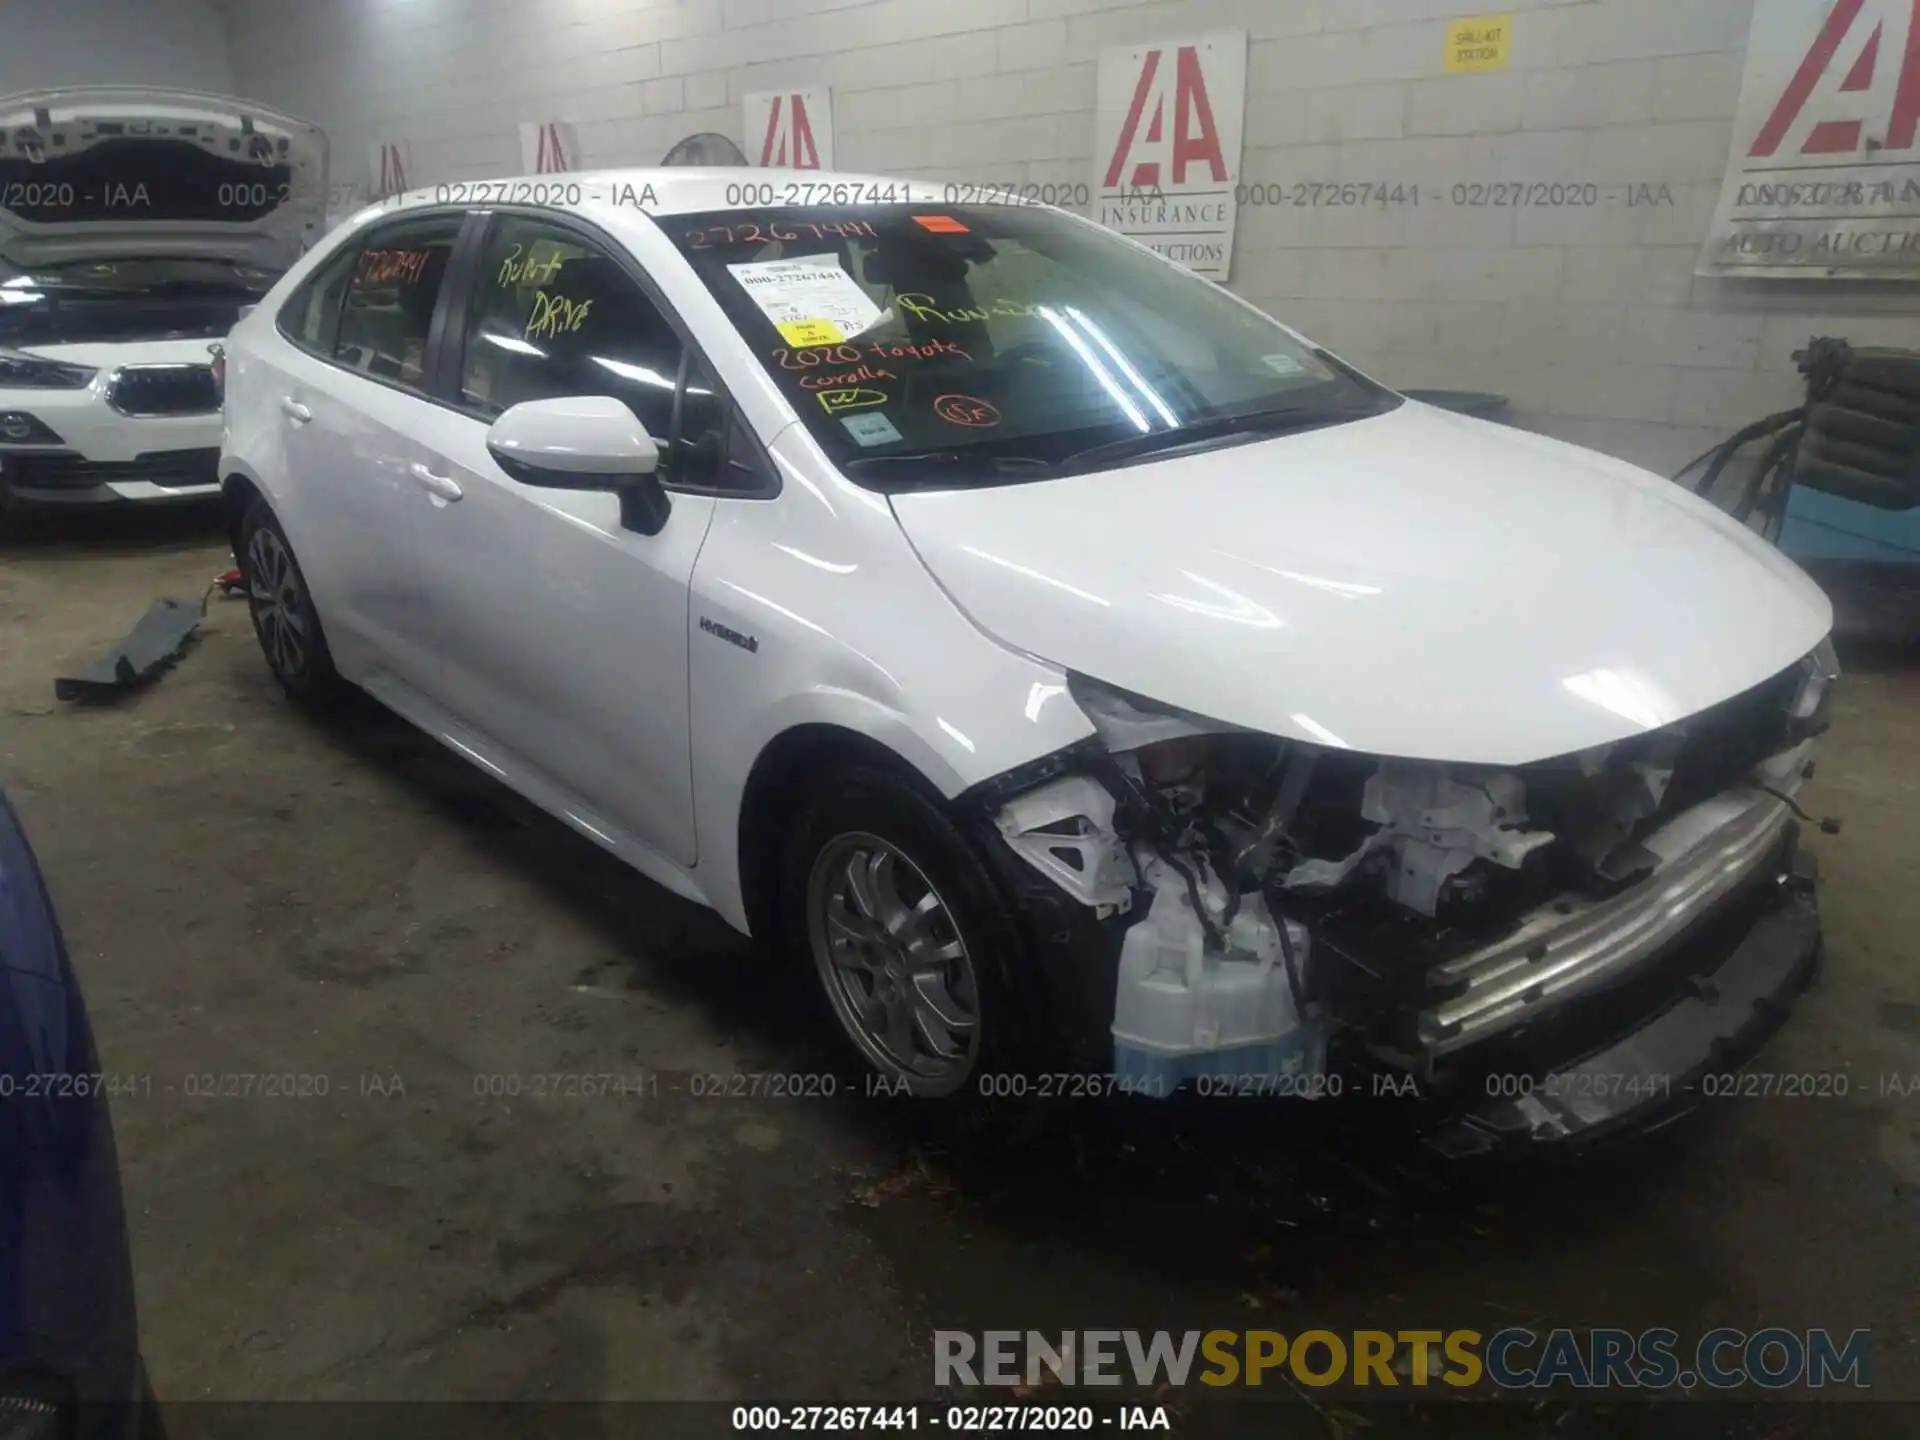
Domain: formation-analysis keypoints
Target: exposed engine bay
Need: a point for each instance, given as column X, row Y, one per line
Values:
column 1282, row 893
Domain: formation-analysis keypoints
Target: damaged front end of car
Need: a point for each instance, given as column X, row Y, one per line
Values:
column 1547, row 950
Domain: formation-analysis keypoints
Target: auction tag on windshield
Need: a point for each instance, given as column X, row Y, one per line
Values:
column 1283, row 364
column 809, row 299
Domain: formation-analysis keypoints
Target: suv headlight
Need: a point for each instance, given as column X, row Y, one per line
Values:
column 21, row 371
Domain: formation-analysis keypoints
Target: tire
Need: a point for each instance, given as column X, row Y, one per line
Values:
column 1881, row 404
column 281, row 607
column 1863, row 427
column 1886, row 369
column 963, row 961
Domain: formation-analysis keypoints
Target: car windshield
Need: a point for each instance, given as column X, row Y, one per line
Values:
column 928, row 346
column 129, row 298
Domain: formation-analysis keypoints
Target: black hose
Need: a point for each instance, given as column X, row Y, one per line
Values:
column 1722, row 454
column 1224, row 867
column 1215, row 940
column 1771, row 459
column 1294, row 982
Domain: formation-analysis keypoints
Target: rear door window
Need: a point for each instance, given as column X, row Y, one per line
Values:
column 311, row 319
column 391, row 292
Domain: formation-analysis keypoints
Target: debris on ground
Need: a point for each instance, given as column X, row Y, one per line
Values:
column 915, row 1176
column 153, row 645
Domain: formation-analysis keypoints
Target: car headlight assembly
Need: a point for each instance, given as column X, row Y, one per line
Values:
column 21, row 371
column 1819, row 672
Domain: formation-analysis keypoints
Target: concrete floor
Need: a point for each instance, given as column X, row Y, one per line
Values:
column 247, row 890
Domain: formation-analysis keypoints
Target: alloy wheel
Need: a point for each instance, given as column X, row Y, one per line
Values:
column 895, row 966
column 278, row 603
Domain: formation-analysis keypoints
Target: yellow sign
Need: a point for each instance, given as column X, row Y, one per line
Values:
column 1480, row 42
column 810, row 332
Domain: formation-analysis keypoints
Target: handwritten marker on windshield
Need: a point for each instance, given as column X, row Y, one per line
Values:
column 940, row 224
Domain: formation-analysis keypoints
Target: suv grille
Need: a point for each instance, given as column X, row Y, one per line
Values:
column 173, row 469
column 164, row 390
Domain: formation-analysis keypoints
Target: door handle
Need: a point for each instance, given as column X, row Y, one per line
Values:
column 444, row 486
column 294, row 410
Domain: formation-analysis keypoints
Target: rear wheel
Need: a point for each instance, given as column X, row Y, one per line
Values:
column 284, row 619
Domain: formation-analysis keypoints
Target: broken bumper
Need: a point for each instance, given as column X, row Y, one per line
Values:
column 1711, row 854
column 1734, row 990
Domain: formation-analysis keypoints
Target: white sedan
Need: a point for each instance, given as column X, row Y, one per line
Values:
column 1079, row 671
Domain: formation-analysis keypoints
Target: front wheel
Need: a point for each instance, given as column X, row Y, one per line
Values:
column 911, row 947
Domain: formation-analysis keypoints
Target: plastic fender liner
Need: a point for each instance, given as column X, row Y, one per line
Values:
column 1074, row 953
column 149, row 648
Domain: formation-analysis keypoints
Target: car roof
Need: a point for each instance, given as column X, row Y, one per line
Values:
column 685, row 189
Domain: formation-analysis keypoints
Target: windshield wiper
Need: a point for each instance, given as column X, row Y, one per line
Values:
column 988, row 467
column 1213, row 434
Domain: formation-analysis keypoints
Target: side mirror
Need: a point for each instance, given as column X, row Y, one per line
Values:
column 584, row 442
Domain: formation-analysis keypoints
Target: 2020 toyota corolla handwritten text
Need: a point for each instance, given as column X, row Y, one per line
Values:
column 1075, row 668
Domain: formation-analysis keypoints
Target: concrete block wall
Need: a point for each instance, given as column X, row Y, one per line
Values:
column 176, row 43
column 1591, row 319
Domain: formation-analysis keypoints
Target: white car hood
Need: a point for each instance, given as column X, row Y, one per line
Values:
column 105, row 354
column 51, row 140
column 1417, row 584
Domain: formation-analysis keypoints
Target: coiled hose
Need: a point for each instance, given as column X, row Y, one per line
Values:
column 1857, row 435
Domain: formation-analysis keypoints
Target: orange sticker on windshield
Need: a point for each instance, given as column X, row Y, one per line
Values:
column 940, row 224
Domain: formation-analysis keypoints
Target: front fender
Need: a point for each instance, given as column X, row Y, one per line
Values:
column 818, row 612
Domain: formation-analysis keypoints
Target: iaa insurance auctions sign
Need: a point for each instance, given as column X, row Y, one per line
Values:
column 1166, row 146
column 1824, row 180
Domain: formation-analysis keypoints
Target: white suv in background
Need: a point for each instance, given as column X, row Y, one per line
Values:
column 1078, row 671
column 135, row 225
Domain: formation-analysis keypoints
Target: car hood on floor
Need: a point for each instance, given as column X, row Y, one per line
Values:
column 1416, row 584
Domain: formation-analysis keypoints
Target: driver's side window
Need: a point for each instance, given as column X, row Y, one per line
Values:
column 552, row 315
